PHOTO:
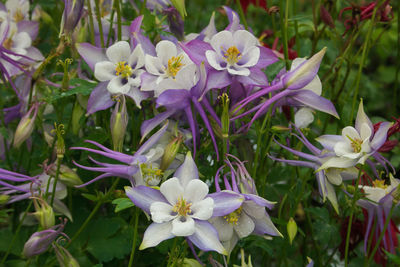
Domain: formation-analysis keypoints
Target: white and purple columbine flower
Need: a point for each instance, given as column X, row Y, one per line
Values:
column 171, row 68
column 122, row 70
column 250, row 217
column 356, row 144
column 182, row 207
column 326, row 178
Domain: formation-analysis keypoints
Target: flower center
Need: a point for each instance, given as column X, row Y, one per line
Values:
column 151, row 175
column 379, row 184
column 174, row 66
column 182, row 207
column 355, row 144
column 123, row 69
column 233, row 217
column 7, row 44
column 232, row 55
column 18, row 16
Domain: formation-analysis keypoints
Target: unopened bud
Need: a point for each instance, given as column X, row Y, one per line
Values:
column 40, row 241
column 66, row 175
column 25, row 126
column 180, row 6
column 170, row 152
column 4, row 199
column 279, row 128
column 65, row 258
column 225, row 115
column 44, row 213
column 326, row 17
column 118, row 123
column 291, row 229
column 73, row 11
column 60, row 145
column 175, row 22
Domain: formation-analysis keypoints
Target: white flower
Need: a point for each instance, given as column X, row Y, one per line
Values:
column 380, row 190
column 235, row 52
column 123, row 70
column 170, row 69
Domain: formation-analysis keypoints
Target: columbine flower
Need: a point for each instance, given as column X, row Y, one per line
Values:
column 17, row 10
column 356, row 144
column 250, row 217
column 377, row 204
column 140, row 169
column 170, row 69
column 326, row 178
column 73, row 11
column 122, row 70
column 182, row 207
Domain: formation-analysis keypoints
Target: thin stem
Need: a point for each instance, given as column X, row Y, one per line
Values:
column 361, row 66
column 55, row 181
column 284, row 26
column 15, row 234
column 241, row 14
column 381, row 235
column 134, row 238
column 396, row 81
column 119, row 20
column 91, row 24
column 98, row 17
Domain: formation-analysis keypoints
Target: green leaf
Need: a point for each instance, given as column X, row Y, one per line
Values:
column 89, row 196
column 82, row 87
column 122, row 204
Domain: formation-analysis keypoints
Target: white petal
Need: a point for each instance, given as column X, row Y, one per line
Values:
column 362, row 117
column 221, row 41
column 332, row 197
column 118, row 52
column 333, row 175
column 252, row 56
column 156, row 233
column 296, row 62
column 303, row 117
column 195, row 190
column 165, row 50
column 350, row 132
column 244, row 226
column 153, row 65
column 344, row 149
column 225, row 229
column 136, row 59
column 365, row 131
column 203, row 210
column 104, row 71
column 183, row 226
column 236, row 70
column 187, row 171
column 253, row 210
column 245, row 41
column 315, row 86
column 161, row 212
column 116, row 85
column 214, row 60
column 172, row 190
column 22, row 40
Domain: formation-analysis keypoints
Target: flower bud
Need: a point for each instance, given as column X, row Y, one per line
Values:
column 118, row 123
column 25, row 126
column 292, row 229
column 4, row 199
column 175, row 22
column 67, row 175
column 326, row 17
column 65, row 258
column 73, row 10
column 60, row 145
column 279, row 128
column 44, row 213
column 304, row 73
column 170, row 152
column 180, row 6
column 40, row 241
column 225, row 115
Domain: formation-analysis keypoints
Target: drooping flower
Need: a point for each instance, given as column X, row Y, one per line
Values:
column 182, row 207
column 356, row 144
column 73, row 11
column 250, row 217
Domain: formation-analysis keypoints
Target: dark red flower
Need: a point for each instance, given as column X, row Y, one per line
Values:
column 258, row 3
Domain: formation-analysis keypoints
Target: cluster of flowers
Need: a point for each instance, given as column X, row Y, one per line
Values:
column 185, row 78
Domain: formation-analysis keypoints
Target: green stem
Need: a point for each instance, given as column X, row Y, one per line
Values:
column 361, row 66
column 284, row 26
column 134, row 238
column 98, row 17
column 241, row 14
column 55, row 181
column 91, row 24
column 119, row 20
column 15, row 234
column 396, row 81
column 381, row 235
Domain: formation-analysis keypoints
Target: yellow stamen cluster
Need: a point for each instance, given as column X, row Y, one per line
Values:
column 233, row 217
column 182, row 207
column 7, row 44
column 355, row 144
column 380, row 184
column 150, row 173
column 18, row 16
column 123, row 69
column 232, row 55
column 174, row 66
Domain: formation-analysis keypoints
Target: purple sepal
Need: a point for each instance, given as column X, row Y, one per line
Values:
column 234, row 21
column 187, row 171
column 174, row 99
column 143, row 196
column 257, row 77
column 380, row 135
column 30, row 27
column 226, row 202
column 301, row 80
column 152, row 140
column 100, row 99
column 259, row 200
column 139, row 38
column 199, row 238
column 196, row 50
column 217, row 79
column 148, row 125
column 312, row 100
column 91, row 54
column 267, row 57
